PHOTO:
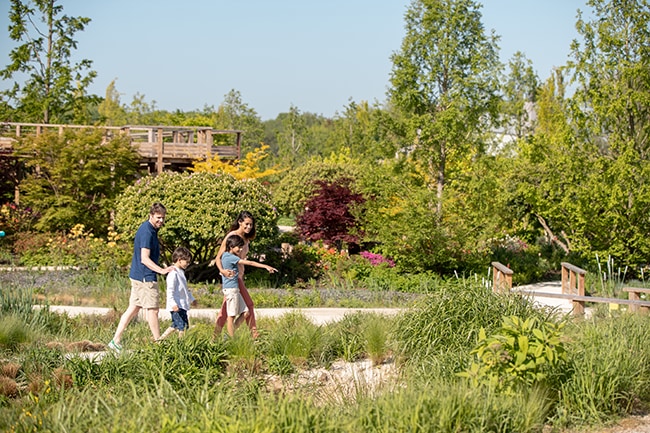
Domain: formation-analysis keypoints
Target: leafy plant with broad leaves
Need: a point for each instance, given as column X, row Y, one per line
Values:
column 522, row 351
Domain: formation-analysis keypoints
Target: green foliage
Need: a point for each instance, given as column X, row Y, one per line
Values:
column 55, row 88
column 74, row 177
column 200, row 209
column 295, row 337
column 609, row 366
column 376, row 338
column 523, row 352
column 13, row 332
column 297, row 186
column 442, row 328
column 75, row 248
column 450, row 406
column 297, row 267
column 444, row 85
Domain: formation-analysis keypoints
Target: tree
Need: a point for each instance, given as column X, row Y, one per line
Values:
column 291, row 139
column 55, row 88
column 364, row 131
column 233, row 113
column 612, row 70
column 519, row 95
column 112, row 112
column 74, row 177
column 444, row 82
column 610, row 113
column 328, row 216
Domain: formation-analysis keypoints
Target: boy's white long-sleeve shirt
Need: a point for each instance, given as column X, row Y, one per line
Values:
column 177, row 292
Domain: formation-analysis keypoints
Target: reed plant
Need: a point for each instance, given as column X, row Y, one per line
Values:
column 444, row 326
column 609, row 370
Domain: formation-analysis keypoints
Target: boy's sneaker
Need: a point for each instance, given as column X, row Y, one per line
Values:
column 115, row 346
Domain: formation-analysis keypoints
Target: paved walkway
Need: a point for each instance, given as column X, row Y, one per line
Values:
column 319, row 316
column 563, row 305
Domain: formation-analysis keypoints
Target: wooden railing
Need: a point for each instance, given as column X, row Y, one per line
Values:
column 501, row 278
column 573, row 289
column 158, row 145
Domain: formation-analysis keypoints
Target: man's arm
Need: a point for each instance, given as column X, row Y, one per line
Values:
column 145, row 259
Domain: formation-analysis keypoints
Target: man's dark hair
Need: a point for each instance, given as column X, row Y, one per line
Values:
column 157, row 208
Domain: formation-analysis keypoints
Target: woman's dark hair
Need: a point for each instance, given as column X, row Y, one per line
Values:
column 234, row 241
column 240, row 219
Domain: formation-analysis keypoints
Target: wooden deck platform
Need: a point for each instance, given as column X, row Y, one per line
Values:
column 159, row 147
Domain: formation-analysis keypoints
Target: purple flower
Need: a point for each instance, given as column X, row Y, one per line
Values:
column 376, row 259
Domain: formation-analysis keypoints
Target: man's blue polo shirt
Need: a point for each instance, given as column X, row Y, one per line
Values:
column 145, row 237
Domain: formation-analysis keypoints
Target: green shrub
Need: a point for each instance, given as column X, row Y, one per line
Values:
column 523, row 352
column 444, row 325
column 609, row 366
column 13, row 332
column 78, row 247
column 200, row 209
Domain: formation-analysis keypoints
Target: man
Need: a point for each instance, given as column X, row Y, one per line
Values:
column 144, row 276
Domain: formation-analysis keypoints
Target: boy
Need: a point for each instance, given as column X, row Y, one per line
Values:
column 230, row 260
column 179, row 297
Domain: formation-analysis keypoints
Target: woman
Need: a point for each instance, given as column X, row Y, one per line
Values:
column 243, row 226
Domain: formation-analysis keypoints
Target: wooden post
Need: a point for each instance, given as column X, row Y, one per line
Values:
column 161, row 148
column 208, row 144
column 573, row 279
column 501, row 278
column 239, row 145
column 565, row 280
column 634, row 296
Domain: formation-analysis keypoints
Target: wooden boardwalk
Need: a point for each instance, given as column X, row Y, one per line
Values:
column 159, row 147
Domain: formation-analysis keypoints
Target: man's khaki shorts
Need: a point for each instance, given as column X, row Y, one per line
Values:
column 144, row 295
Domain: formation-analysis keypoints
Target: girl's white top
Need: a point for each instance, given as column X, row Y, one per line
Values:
column 177, row 292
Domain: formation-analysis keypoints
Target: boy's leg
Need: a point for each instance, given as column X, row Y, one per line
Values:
column 250, row 320
column 222, row 317
column 167, row 333
column 243, row 316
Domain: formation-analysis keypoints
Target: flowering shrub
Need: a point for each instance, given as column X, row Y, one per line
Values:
column 78, row 247
column 14, row 218
column 377, row 259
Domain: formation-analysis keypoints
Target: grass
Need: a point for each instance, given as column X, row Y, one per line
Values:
column 196, row 384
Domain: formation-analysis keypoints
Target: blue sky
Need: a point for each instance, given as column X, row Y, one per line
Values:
column 317, row 56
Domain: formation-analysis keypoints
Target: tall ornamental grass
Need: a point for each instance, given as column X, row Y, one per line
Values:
column 610, row 370
column 438, row 334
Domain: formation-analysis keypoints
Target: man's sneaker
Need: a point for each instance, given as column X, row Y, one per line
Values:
column 115, row 346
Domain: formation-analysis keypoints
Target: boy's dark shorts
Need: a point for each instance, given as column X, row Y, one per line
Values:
column 179, row 320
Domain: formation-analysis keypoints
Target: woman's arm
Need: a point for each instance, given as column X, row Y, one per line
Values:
column 217, row 261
